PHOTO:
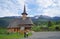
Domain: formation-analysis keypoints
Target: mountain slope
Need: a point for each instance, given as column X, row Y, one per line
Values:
column 4, row 22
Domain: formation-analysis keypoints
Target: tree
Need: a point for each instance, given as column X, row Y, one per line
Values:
column 3, row 23
column 49, row 24
column 58, row 22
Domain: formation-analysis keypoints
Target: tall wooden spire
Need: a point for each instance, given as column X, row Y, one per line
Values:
column 24, row 11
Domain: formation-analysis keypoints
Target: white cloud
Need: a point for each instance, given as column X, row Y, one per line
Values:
column 21, row 3
column 51, row 12
column 44, row 3
column 10, row 7
column 15, row 7
column 7, row 13
column 49, row 7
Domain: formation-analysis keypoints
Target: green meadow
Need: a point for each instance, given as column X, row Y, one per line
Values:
column 5, row 35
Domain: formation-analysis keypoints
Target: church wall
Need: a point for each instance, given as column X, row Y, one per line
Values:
column 27, row 28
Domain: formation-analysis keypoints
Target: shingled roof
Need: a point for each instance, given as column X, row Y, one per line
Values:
column 20, row 21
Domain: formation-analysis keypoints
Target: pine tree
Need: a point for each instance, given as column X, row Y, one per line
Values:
column 49, row 23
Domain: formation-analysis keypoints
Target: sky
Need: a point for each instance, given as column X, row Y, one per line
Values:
column 33, row 7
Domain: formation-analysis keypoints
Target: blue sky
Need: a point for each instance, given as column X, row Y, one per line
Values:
column 33, row 7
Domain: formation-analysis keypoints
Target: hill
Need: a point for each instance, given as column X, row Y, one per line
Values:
column 37, row 20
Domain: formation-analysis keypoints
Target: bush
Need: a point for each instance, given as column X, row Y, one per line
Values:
column 3, row 31
column 36, row 28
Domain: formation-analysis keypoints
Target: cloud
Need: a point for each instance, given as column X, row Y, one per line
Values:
column 51, row 12
column 10, row 7
column 33, row 7
column 49, row 7
column 6, row 12
column 44, row 3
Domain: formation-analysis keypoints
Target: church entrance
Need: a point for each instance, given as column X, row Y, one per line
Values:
column 22, row 28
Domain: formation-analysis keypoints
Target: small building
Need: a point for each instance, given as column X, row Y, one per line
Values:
column 20, row 24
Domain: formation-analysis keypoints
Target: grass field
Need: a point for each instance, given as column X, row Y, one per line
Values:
column 12, row 35
column 5, row 35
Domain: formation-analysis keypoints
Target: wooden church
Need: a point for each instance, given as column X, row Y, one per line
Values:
column 20, row 24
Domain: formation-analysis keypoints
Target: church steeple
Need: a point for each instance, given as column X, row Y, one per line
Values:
column 24, row 11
